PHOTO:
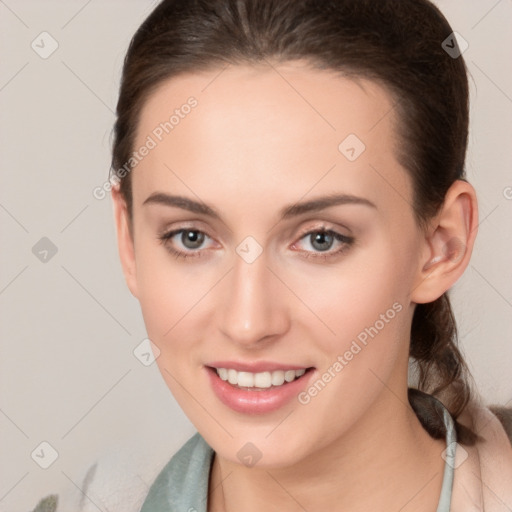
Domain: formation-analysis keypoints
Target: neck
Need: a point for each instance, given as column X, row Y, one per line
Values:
column 386, row 461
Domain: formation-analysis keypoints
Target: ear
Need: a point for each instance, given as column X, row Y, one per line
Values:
column 447, row 244
column 125, row 240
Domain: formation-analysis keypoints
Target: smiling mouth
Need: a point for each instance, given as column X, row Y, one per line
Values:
column 260, row 381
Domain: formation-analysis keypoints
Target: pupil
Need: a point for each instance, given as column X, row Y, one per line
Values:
column 193, row 237
column 320, row 237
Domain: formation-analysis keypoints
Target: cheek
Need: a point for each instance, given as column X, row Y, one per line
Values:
column 363, row 291
column 363, row 305
column 370, row 318
column 170, row 300
column 168, row 288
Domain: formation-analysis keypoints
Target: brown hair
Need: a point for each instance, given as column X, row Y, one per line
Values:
column 396, row 43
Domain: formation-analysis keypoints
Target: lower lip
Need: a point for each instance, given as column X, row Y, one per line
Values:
column 257, row 402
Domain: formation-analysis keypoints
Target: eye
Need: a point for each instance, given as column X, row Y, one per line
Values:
column 190, row 239
column 322, row 240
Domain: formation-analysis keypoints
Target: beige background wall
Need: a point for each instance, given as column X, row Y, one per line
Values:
column 68, row 375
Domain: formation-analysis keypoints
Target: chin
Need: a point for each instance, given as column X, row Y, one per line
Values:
column 260, row 450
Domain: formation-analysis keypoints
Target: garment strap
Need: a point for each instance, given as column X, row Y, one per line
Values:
column 451, row 447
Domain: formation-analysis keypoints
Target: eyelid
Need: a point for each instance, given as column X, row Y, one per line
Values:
column 325, row 226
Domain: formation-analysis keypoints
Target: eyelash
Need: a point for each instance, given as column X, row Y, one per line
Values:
column 346, row 241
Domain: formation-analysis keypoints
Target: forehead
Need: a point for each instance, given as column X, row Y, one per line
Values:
column 285, row 126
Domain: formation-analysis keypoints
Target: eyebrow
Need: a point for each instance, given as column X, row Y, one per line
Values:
column 287, row 212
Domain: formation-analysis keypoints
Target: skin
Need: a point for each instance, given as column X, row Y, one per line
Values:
column 262, row 138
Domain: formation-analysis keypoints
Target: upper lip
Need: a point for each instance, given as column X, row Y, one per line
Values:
column 256, row 366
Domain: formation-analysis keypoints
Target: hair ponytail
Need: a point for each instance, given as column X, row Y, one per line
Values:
column 441, row 369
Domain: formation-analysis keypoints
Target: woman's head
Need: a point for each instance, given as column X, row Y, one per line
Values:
column 277, row 104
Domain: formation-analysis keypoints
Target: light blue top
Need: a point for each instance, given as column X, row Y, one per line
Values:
column 182, row 485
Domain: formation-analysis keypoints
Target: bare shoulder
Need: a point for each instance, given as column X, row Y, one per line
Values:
column 504, row 414
column 491, row 464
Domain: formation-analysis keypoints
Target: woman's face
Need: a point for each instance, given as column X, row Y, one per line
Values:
column 232, row 270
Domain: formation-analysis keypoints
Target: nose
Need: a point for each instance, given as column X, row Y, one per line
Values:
column 253, row 310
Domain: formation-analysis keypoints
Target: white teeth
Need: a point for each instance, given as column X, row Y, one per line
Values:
column 232, row 376
column 262, row 380
column 289, row 375
column 245, row 379
column 223, row 373
column 259, row 380
column 277, row 378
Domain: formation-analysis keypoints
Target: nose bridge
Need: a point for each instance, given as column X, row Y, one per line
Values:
column 251, row 310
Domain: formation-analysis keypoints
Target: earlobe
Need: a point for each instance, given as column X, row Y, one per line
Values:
column 125, row 241
column 448, row 244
